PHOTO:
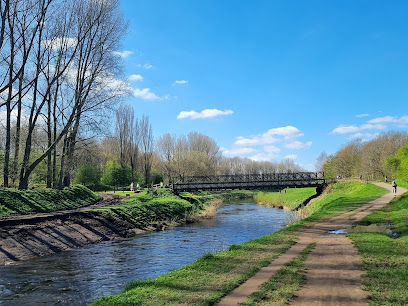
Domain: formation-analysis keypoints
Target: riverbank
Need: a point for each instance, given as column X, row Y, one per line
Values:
column 39, row 234
column 214, row 275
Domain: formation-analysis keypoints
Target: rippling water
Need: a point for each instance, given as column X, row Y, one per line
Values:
column 80, row 276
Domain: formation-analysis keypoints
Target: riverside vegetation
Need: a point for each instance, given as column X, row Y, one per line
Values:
column 13, row 201
column 213, row 276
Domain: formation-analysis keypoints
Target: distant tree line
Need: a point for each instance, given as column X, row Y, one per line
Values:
column 384, row 155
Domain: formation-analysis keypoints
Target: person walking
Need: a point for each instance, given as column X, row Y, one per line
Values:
column 394, row 188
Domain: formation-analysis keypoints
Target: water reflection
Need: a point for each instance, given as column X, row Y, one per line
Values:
column 80, row 276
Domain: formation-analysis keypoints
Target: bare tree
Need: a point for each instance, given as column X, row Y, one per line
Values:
column 145, row 136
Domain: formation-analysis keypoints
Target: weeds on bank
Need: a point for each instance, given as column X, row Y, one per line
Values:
column 280, row 289
column 386, row 258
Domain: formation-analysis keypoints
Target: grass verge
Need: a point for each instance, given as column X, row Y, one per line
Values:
column 213, row 276
column 280, row 289
column 386, row 258
column 13, row 201
column 289, row 198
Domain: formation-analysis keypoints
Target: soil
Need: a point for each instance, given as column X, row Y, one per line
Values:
column 334, row 267
column 27, row 236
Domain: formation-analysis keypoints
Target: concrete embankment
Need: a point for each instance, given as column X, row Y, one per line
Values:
column 41, row 235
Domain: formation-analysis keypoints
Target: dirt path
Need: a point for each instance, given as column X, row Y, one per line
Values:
column 334, row 267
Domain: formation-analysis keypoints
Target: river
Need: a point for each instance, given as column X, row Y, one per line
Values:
column 80, row 276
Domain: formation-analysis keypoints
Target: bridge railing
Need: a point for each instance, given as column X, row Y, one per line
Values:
column 250, row 181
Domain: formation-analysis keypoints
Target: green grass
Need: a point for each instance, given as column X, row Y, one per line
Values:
column 13, row 201
column 386, row 258
column 402, row 183
column 280, row 289
column 289, row 198
column 213, row 276
column 162, row 206
column 343, row 197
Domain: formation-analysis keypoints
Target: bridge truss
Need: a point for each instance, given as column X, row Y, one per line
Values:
column 250, row 181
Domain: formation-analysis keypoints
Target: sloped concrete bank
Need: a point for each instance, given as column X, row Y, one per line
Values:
column 41, row 235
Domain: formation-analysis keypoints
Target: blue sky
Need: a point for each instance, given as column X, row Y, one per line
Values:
column 269, row 79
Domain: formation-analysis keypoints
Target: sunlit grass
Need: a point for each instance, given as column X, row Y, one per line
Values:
column 289, row 198
column 13, row 201
column 386, row 258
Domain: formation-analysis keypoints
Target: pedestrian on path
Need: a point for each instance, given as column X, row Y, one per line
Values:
column 394, row 188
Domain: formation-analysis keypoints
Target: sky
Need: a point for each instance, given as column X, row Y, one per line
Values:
column 269, row 80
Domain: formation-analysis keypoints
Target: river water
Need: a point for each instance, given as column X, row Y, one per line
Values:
column 79, row 277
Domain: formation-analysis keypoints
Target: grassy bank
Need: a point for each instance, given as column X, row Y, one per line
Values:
column 13, row 201
column 214, row 275
column 289, row 198
column 161, row 206
column 342, row 197
column 386, row 258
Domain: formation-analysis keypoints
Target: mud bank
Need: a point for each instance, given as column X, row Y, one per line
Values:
column 45, row 235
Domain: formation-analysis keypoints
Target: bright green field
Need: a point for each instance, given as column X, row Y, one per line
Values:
column 213, row 276
column 290, row 199
column 386, row 258
column 13, row 201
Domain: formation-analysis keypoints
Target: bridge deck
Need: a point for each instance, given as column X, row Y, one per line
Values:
column 252, row 181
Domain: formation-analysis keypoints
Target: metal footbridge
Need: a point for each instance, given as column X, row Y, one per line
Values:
column 250, row 181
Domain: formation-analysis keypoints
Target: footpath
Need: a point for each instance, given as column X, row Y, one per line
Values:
column 334, row 267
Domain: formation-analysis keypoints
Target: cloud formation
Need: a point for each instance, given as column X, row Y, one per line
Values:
column 370, row 129
column 180, row 82
column 145, row 94
column 298, row 145
column 207, row 113
column 260, row 157
column 291, row 156
column 389, row 119
column 347, row 129
column 237, row 151
column 362, row 115
column 135, row 77
column 271, row 136
column 123, row 54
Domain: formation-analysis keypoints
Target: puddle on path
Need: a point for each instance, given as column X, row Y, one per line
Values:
column 372, row 228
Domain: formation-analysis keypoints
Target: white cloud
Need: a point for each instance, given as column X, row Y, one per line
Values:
column 145, row 94
column 123, row 54
column 263, row 157
column 237, row 151
column 269, row 137
column 291, row 156
column 180, row 82
column 390, row 119
column 271, row 149
column 298, row 145
column 362, row 115
column 58, row 43
column 380, row 123
column 207, row 113
column 135, row 77
column 347, row 129
column 147, row 66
